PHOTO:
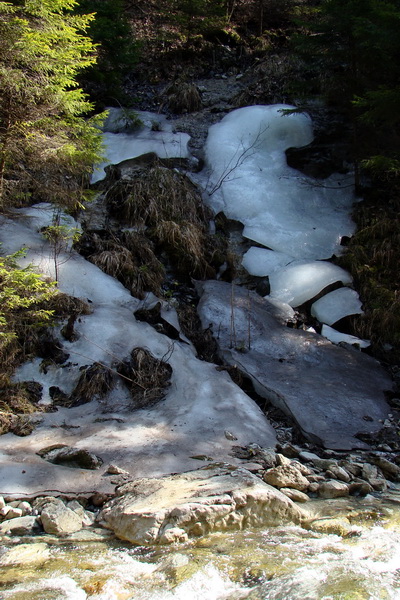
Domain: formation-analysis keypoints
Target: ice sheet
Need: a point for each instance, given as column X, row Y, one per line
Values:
column 280, row 208
column 336, row 305
column 296, row 283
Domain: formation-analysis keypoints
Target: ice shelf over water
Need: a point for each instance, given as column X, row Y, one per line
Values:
column 152, row 134
column 336, row 305
column 299, row 282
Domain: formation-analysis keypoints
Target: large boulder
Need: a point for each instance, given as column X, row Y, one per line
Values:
column 332, row 393
column 215, row 498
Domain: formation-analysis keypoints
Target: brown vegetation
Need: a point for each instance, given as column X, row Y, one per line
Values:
column 147, row 377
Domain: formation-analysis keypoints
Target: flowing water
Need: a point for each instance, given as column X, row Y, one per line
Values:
column 283, row 563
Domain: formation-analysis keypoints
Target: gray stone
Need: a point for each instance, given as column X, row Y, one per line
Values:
column 360, row 488
column 313, row 487
column 87, row 517
column 379, row 484
column 389, row 469
column 20, row 526
column 58, row 519
column 14, row 513
column 369, row 472
column 333, row 489
column 75, row 458
column 337, row 472
column 5, row 510
column 2, row 502
column 304, row 470
column 332, row 389
column 353, row 468
column 175, row 508
column 268, row 457
column 282, row 460
column 115, row 470
column 25, row 507
column 286, row 476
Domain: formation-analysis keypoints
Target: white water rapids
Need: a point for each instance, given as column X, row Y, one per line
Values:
column 284, row 563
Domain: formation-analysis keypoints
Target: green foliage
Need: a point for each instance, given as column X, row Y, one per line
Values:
column 352, row 51
column 116, row 47
column 46, row 147
column 23, row 296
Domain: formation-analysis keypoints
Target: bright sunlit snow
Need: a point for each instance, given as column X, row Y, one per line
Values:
column 299, row 282
column 249, row 181
column 336, row 305
column 200, row 405
column 154, row 134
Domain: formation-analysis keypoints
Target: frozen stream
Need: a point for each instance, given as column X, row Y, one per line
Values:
column 299, row 226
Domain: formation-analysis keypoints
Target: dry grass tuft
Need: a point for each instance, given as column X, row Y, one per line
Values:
column 183, row 97
column 17, row 402
column 132, row 262
column 94, row 383
column 64, row 306
column 148, row 377
column 166, row 206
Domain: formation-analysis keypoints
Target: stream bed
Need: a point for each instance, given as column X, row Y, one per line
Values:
column 281, row 563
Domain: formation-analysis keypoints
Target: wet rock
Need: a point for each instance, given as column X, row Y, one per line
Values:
column 295, row 495
column 20, row 526
column 286, row 476
column 339, row 526
column 24, row 554
column 174, row 508
column 335, row 388
column 333, row 489
column 58, row 519
column 352, row 467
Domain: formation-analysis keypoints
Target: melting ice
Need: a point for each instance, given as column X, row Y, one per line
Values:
column 298, row 220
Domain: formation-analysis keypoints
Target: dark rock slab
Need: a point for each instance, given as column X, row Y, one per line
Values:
column 331, row 392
